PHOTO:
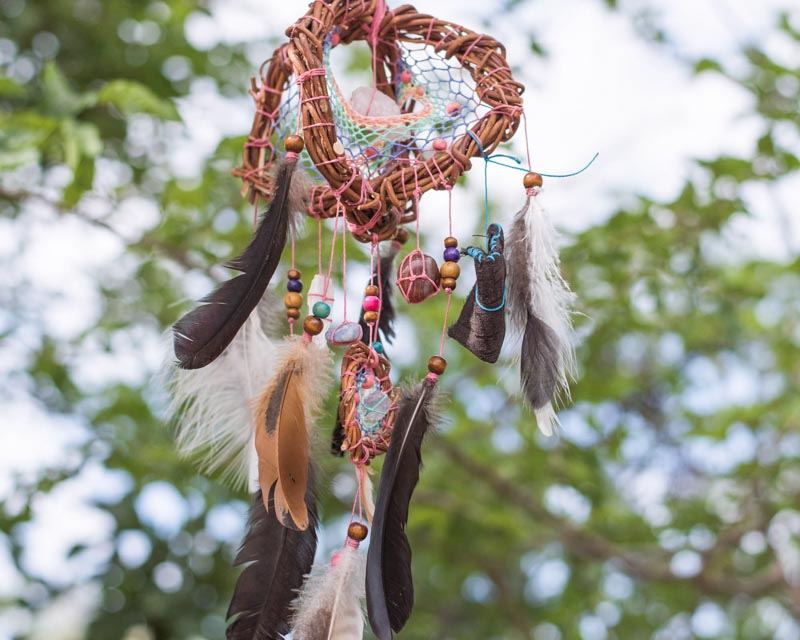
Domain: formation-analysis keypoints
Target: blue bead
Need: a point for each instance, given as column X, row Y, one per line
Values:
column 378, row 346
column 452, row 254
column 321, row 309
column 294, row 285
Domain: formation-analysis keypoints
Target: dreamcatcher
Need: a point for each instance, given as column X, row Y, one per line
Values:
column 440, row 96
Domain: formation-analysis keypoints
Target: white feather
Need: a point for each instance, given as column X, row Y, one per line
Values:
column 552, row 298
column 213, row 405
column 547, row 419
column 367, row 495
column 329, row 606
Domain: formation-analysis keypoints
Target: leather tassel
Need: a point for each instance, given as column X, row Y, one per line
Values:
column 213, row 405
column 385, row 276
column 204, row 333
column 329, row 606
column 540, row 302
column 390, row 590
column 481, row 326
column 284, row 419
column 277, row 559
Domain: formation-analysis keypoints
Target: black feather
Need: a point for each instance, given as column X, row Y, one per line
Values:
column 387, row 317
column 204, row 333
column 277, row 560
column 538, row 363
column 338, row 435
column 390, row 590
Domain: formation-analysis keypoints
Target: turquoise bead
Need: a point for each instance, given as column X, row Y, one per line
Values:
column 321, row 309
column 378, row 346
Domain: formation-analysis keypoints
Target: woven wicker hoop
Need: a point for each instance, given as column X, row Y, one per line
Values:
column 358, row 358
column 374, row 207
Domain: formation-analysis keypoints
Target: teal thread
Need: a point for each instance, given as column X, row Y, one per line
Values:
column 476, row 253
column 518, row 167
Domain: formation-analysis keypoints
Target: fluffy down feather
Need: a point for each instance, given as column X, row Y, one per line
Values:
column 330, row 605
column 540, row 302
column 213, row 405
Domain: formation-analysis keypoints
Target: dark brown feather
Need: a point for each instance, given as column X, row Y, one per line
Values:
column 538, row 364
column 204, row 333
column 390, row 589
column 277, row 560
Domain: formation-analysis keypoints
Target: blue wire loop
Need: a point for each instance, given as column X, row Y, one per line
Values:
column 476, row 253
column 493, row 159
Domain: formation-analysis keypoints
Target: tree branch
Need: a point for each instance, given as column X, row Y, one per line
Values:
column 651, row 566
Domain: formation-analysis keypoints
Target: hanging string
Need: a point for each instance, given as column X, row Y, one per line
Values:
column 446, row 316
column 319, row 246
column 450, row 210
column 333, row 255
column 344, row 273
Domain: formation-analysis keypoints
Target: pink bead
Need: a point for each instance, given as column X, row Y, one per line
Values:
column 453, row 108
column 439, row 144
column 368, row 383
column 335, row 39
column 405, row 76
column 372, row 303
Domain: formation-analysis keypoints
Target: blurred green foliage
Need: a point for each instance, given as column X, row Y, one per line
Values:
column 514, row 536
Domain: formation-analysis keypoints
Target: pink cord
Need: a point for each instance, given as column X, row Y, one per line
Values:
column 527, row 142
column 446, row 316
column 344, row 274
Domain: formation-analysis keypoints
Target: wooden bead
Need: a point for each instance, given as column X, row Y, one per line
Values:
column 437, row 365
column 371, row 290
column 450, row 270
column 450, row 241
column 294, row 314
column 449, row 283
column 357, row 531
column 312, row 325
column 293, row 274
column 532, row 180
column 294, row 144
column 370, row 317
column 293, row 300
column 401, row 236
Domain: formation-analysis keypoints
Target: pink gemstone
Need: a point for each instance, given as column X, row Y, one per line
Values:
column 439, row 144
column 372, row 303
column 405, row 76
column 453, row 108
column 335, row 39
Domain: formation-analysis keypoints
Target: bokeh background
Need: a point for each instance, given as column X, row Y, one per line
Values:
column 668, row 508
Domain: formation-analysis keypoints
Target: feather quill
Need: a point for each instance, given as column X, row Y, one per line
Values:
column 390, row 589
column 329, row 606
column 284, row 418
column 213, row 405
column 203, row 334
column 540, row 302
column 383, row 273
column 277, row 558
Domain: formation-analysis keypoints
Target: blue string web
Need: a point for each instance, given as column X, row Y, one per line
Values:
column 437, row 103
